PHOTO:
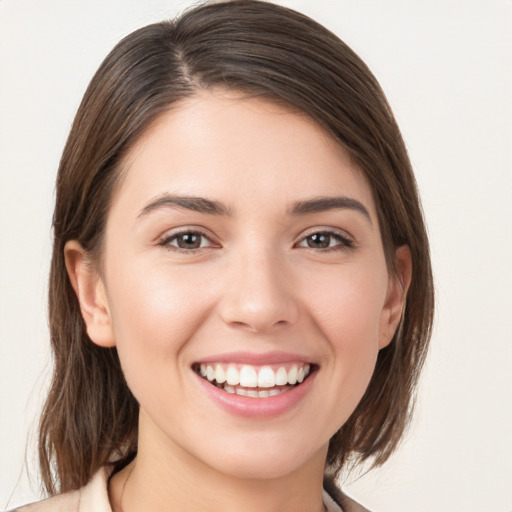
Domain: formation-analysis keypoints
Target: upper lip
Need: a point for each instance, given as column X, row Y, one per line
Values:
column 257, row 359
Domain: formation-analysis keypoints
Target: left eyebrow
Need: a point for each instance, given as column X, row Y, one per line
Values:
column 323, row 204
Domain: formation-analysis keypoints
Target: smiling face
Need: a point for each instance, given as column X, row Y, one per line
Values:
column 244, row 283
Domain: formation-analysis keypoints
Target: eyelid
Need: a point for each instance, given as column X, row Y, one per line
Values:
column 326, row 229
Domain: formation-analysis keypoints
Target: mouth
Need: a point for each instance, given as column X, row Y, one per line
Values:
column 255, row 381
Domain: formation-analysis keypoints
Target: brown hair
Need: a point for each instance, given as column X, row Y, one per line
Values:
column 90, row 416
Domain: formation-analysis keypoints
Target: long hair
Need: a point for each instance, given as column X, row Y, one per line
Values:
column 90, row 416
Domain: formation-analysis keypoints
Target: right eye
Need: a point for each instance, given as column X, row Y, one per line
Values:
column 186, row 241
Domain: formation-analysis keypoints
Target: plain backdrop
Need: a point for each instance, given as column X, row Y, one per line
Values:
column 446, row 67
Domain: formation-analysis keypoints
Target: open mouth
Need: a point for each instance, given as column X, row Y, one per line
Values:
column 254, row 381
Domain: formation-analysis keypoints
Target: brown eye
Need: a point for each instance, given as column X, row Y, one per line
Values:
column 319, row 240
column 326, row 240
column 189, row 240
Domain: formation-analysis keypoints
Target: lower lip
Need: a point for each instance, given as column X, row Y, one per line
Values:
column 264, row 407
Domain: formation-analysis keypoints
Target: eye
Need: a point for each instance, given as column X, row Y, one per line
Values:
column 326, row 240
column 186, row 241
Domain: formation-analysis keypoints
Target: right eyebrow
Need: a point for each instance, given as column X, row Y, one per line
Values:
column 196, row 204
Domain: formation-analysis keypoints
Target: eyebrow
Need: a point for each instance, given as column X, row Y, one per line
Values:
column 197, row 204
column 212, row 207
column 322, row 204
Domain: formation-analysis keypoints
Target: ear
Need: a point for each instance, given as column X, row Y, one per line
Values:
column 90, row 291
column 394, row 307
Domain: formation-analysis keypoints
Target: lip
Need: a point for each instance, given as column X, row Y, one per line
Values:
column 256, row 359
column 257, row 408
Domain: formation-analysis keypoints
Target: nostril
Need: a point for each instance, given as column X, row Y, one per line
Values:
column 239, row 324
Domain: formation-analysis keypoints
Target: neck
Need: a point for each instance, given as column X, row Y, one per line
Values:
column 163, row 481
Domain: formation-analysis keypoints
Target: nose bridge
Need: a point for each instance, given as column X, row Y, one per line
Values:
column 259, row 296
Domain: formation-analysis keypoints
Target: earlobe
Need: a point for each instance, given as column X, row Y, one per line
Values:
column 90, row 292
column 399, row 284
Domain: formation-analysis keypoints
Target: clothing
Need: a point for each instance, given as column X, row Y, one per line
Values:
column 94, row 498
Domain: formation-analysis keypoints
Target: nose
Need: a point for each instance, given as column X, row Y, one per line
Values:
column 258, row 295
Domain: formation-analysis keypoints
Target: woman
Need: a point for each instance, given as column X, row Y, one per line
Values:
column 241, row 293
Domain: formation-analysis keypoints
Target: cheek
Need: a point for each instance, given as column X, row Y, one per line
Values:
column 347, row 310
column 348, row 304
column 154, row 314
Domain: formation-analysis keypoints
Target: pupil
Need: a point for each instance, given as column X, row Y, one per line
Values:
column 319, row 240
column 189, row 240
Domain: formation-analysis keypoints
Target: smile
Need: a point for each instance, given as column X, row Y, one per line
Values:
column 254, row 381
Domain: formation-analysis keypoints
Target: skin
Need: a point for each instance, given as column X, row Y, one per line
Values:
column 256, row 284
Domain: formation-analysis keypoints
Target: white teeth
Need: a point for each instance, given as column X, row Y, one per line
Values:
column 263, row 393
column 248, row 377
column 232, row 376
column 292, row 375
column 252, row 393
column 266, row 378
column 220, row 375
column 210, row 373
column 241, row 391
column 281, row 377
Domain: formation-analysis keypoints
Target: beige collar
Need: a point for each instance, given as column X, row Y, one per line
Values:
column 93, row 497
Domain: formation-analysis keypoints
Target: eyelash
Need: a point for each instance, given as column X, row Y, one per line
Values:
column 344, row 243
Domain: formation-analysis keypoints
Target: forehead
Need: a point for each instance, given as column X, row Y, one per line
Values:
column 219, row 144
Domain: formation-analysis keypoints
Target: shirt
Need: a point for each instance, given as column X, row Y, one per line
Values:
column 93, row 497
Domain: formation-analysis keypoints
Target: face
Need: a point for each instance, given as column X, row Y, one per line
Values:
column 244, row 283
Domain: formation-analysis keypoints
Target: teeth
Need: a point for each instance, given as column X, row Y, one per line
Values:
column 232, row 376
column 220, row 375
column 210, row 373
column 281, row 377
column 253, row 393
column 250, row 377
column 266, row 378
column 292, row 375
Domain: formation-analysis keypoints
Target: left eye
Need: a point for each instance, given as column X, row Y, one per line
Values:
column 325, row 240
column 189, row 240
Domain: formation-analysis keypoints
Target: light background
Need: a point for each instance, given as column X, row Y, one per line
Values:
column 446, row 66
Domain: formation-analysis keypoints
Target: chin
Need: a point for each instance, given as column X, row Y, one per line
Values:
column 258, row 460
column 271, row 468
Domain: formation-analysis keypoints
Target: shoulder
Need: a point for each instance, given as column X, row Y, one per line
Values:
column 346, row 503
column 67, row 502
column 91, row 498
column 94, row 498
